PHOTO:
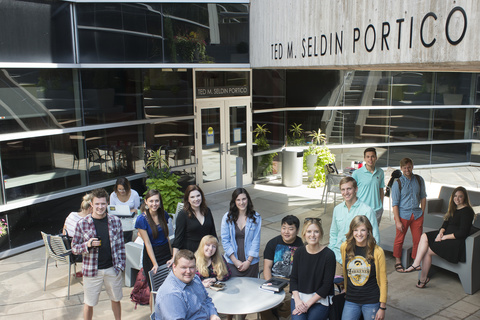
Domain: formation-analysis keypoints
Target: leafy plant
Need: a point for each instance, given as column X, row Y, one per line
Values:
column 160, row 178
column 266, row 161
column 297, row 138
column 324, row 156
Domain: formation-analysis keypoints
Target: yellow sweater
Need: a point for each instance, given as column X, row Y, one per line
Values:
column 380, row 268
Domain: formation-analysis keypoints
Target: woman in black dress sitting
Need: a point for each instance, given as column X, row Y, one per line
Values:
column 449, row 241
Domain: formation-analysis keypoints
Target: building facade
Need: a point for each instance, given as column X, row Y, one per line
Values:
column 89, row 89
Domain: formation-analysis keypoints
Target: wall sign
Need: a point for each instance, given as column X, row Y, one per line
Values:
column 345, row 34
column 230, row 91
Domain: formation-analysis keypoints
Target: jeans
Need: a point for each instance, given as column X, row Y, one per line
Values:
column 352, row 311
column 316, row 312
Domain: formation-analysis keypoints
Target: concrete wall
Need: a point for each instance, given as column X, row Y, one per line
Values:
column 373, row 34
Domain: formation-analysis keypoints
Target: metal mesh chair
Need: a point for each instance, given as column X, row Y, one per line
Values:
column 157, row 279
column 332, row 182
column 55, row 248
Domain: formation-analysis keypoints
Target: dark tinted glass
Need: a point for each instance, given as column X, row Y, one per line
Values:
column 453, row 88
column 177, row 33
column 36, row 99
column 419, row 154
column 449, row 124
column 37, row 166
column 35, row 31
column 450, row 153
column 275, row 123
column 114, row 152
column 410, row 125
column 167, row 93
column 111, row 95
column 268, row 89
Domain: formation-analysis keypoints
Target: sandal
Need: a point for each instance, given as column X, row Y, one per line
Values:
column 417, row 268
column 423, row 284
column 399, row 268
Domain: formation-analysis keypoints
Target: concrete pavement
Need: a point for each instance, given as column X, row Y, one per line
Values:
column 22, row 295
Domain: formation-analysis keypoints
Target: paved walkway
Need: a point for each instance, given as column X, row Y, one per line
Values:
column 22, row 295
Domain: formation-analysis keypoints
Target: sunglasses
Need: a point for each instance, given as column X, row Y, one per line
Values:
column 313, row 219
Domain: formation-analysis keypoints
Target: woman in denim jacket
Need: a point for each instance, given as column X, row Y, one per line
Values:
column 241, row 235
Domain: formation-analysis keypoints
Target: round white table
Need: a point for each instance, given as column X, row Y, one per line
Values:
column 243, row 295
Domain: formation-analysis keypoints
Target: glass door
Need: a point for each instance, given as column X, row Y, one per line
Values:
column 223, row 135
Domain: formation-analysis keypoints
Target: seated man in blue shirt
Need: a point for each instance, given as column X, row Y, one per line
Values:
column 182, row 295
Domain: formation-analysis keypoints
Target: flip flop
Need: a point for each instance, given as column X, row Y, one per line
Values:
column 417, row 268
column 399, row 268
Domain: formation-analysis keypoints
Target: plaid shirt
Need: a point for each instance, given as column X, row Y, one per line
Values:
column 84, row 231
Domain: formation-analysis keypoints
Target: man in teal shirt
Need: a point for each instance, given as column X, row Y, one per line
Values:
column 371, row 181
column 343, row 215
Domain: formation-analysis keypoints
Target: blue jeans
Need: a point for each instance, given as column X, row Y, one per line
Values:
column 352, row 311
column 316, row 312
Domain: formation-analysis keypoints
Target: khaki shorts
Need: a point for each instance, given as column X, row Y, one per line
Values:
column 92, row 286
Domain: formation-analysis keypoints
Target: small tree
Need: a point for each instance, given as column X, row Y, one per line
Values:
column 265, row 163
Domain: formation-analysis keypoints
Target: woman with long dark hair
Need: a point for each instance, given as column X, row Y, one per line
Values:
column 152, row 227
column 449, row 242
column 364, row 271
column 193, row 222
column 241, row 235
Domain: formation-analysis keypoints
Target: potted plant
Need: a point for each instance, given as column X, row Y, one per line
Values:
column 160, row 178
column 265, row 165
column 297, row 135
column 315, row 157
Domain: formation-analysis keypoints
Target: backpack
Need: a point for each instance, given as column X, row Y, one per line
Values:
column 396, row 177
column 141, row 291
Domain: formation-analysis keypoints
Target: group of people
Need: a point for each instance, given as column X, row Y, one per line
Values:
column 311, row 267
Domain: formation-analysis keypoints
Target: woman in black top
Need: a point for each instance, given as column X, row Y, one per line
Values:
column 194, row 221
column 313, row 270
column 449, row 241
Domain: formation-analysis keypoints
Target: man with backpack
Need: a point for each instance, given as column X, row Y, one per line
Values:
column 371, row 181
column 408, row 193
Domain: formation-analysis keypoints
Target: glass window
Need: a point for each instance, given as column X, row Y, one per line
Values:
column 312, row 88
column 268, row 90
column 454, row 88
column 35, row 99
column 412, row 88
column 167, row 93
column 111, row 95
column 175, row 139
column 475, row 158
column 449, row 124
column 420, row 154
column 450, row 153
column 36, row 166
column 114, row 32
column 275, row 123
column 153, row 32
column 410, row 125
column 114, row 152
column 35, row 31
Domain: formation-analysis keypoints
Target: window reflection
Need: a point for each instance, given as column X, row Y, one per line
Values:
column 419, row 154
column 37, row 99
column 450, row 153
column 167, row 93
column 111, row 95
column 410, row 125
column 453, row 88
column 38, row 166
column 155, row 32
column 114, row 152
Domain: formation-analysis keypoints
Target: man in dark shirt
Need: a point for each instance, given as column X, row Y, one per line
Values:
column 99, row 238
column 278, row 258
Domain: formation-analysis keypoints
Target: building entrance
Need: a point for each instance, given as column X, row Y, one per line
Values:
column 223, row 135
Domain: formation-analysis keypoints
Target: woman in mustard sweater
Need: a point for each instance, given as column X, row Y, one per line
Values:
column 364, row 272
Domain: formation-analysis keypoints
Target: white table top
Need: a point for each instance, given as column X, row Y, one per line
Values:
column 242, row 295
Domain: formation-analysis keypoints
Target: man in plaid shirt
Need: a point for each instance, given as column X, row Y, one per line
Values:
column 99, row 238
